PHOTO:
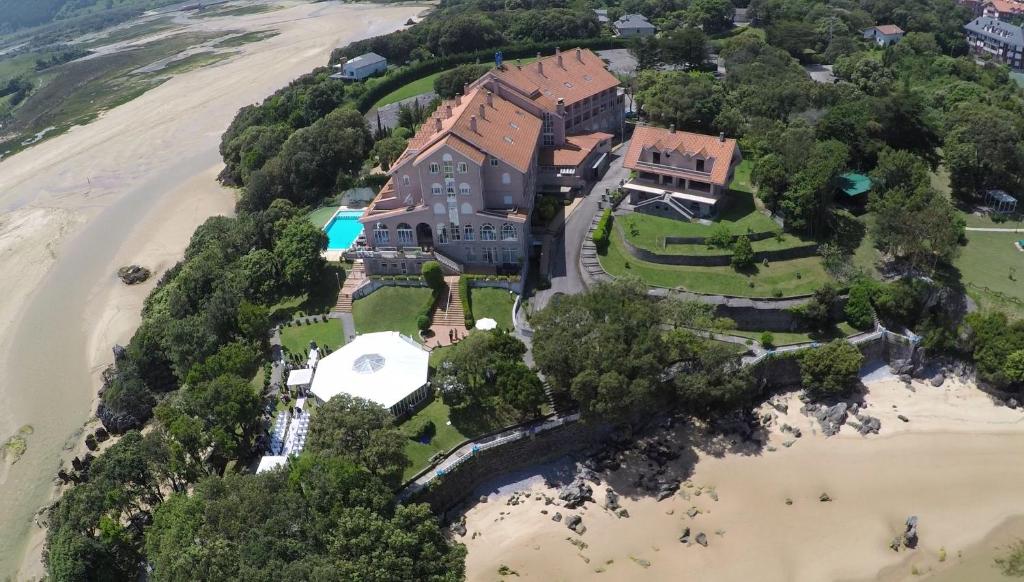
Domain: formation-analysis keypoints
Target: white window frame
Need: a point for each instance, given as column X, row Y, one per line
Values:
column 381, row 235
column 436, row 189
column 441, row 234
column 465, row 189
column 509, row 232
column 509, row 255
column 435, row 168
column 494, row 162
column 463, row 167
column 404, row 233
column 488, row 233
column 467, row 233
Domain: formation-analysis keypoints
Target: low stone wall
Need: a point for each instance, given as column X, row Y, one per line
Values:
column 761, row 318
column 800, row 252
column 510, row 285
column 701, row 240
column 783, row 369
column 446, row 492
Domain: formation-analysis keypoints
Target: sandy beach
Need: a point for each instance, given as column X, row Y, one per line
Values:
column 955, row 465
column 128, row 188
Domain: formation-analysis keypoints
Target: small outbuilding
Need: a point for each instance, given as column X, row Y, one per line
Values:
column 385, row 367
column 854, row 183
column 884, row 34
column 1000, row 202
column 633, row 25
column 360, row 67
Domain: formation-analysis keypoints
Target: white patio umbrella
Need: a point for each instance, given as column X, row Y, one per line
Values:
column 486, row 323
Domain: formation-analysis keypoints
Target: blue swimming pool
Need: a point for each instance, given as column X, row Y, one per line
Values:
column 343, row 229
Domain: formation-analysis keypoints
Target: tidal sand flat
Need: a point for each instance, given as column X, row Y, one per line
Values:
column 954, row 464
column 129, row 187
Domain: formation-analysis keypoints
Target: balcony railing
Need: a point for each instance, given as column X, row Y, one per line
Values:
column 667, row 168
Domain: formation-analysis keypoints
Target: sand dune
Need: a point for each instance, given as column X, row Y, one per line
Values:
column 129, row 187
column 955, row 465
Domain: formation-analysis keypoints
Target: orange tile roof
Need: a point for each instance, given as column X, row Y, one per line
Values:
column 575, row 150
column 889, row 29
column 456, row 144
column 544, row 81
column 1007, row 6
column 504, row 131
column 722, row 151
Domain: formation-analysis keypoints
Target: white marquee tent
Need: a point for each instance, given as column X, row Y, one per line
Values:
column 385, row 367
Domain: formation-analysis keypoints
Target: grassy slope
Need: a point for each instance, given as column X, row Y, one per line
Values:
column 781, row 276
column 741, row 217
column 988, row 261
column 493, row 303
column 390, row 309
column 786, row 338
column 320, row 216
column 296, row 338
column 418, row 87
column 446, row 437
column 649, row 232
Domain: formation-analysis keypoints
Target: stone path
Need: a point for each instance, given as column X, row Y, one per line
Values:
column 982, row 229
column 354, row 279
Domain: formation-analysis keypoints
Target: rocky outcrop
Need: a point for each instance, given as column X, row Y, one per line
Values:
column 868, row 424
column 576, row 493
column 831, row 418
column 575, row 523
column 133, row 274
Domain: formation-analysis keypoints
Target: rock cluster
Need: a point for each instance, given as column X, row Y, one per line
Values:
column 831, row 418
column 576, row 493
column 867, row 424
column 133, row 274
column 575, row 523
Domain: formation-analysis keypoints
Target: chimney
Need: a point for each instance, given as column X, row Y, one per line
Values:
column 540, row 65
column 579, row 55
column 483, row 111
column 447, row 111
column 561, row 106
column 472, row 123
column 721, row 137
column 672, row 128
column 437, row 125
column 465, row 88
column 558, row 55
column 490, row 99
column 458, row 99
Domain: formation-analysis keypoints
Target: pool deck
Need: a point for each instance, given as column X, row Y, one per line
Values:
column 337, row 255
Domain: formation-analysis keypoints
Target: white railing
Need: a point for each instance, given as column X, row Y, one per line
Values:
column 447, row 261
column 666, row 167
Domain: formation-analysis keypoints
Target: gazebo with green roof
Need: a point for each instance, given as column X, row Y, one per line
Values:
column 854, row 183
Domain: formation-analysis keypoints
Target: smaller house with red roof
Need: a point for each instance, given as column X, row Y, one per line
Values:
column 679, row 174
column 884, row 34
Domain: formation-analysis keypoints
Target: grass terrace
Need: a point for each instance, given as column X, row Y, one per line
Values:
column 992, row 270
column 783, row 278
column 782, row 338
column 390, row 309
column 493, row 303
column 320, row 216
column 741, row 177
column 649, row 232
column 445, row 438
column 741, row 217
column 421, row 86
column 296, row 338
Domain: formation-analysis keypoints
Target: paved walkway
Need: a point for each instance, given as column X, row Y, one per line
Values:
column 981, row 229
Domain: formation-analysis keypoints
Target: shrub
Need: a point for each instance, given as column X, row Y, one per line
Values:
column 720, row 237
column 602, row 231
column 859, row 312
column 767, row 340
column 831, row 370
column 422, row 322
column 432, row 274
column 742, row 254
column 467, row 302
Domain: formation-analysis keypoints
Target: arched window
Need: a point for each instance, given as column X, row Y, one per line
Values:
column 381, row 235
column 435, row 189
column 509, row 232
column 487, row 232
column 442, row 234
column 439, row 208
column 467, row 208
column 404, row 234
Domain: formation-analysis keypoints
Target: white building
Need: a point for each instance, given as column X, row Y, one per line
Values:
column 385, row 367
column 884, row 34
column 633, row 25
column 360, row 67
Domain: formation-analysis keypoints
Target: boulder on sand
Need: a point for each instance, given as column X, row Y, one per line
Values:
column 938, row 379
column 575, row 523
column 611, row 499
column 685, row 538
column 576, row 493
column 702, row 539
column 133, row 274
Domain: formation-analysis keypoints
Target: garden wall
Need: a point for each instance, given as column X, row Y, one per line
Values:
column 762, row 317
column 701, row 240
column 783, row 370
column 801, row 252
column 374, row 284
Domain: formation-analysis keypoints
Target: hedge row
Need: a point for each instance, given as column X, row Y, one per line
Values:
column 423, row 317
column 467, row 301
column 408, row 73
column 396, row 278
column 509, row 278
column 602, row 231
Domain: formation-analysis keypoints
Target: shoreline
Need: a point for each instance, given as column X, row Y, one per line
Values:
column 130, row 187
column 952, row 465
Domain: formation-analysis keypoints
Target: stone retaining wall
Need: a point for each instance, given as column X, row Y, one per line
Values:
column 638, row 253
column 374, row 284
column 782, row 319
column 783, row 370
column 701, row 240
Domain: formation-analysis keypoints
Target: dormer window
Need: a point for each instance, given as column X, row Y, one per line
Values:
column 700, row 165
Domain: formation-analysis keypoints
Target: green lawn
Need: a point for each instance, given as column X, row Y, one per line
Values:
column 318, row 300
column 741, row 217
column 788, row 338
column 992, row 270
column 390, row 309
column 320, row 216
column 866, row 255
column 985, row 221
column 649, row 232
column 493, row 303
column 296, row 338
column 780, row 276
column 741, row 177
column 445, row 439
column 420, row 86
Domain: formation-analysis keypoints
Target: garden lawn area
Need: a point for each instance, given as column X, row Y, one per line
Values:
column 493, row 303
column 390, row 309
column 318, row 300
column 782, row 338
column 652, row 239
column 296, row 338
column 741, row 177
column 992, row 270
column 445, row 439
column 320, row 216
column 866, row 255
column 423, row 85
column 780, row 278
column 741, row 217
column 985, row 221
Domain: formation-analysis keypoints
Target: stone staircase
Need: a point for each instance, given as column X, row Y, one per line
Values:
column 449, row 312
column 355, row 279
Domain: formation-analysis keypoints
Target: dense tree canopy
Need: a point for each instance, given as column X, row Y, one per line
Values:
column 831, row 370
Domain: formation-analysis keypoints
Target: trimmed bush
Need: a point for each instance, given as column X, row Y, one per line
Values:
column 423, row 322
column 433, row 275
column 742, row 254
column 859, row 311
column 767, row 340
column 602, row 231
column 467, row 302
